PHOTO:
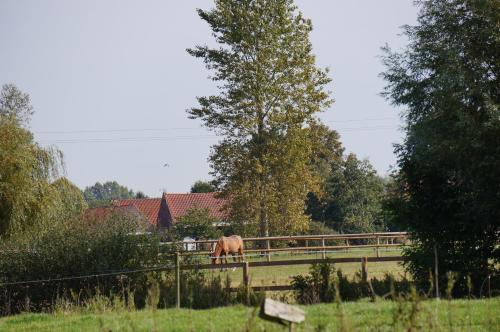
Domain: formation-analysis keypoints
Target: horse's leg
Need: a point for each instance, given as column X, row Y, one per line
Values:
column 234, row 260
column 240, row 255
column 222, row 261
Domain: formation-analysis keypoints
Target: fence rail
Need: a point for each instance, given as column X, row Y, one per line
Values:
column 264, row 245
column 354, row 236
column 247, row 265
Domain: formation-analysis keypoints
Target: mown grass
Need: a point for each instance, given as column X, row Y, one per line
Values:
column 281, row 275
column 456, row 315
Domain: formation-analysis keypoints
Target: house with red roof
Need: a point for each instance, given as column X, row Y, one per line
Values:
column 165, row 211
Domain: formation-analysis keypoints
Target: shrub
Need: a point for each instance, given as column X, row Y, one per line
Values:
column 75, row 249
column 325, row 284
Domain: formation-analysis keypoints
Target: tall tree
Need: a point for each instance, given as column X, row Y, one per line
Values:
column 15, row 105
column 327, row 153
column 352, row 201
column 26, row 169
column 270, row 91
column 449, row 163
column 354, row 197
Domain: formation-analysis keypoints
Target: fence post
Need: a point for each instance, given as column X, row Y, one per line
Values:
column 268, row 246
column 436, row 271
column 178, row 280
column 489, row 286
column 323, row 255
column 364, row 269
column 378, row 243
column 246, row 281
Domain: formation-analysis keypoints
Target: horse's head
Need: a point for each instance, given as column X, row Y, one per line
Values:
column 212, row 255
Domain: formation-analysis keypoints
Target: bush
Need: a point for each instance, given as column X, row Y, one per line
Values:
column 325, row 284
column 201, row 290
column 76, row 249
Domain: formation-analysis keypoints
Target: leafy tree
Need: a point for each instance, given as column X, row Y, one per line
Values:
column 202, row 187
column 26, row 169
column 69, row 201
column 140, row 194
column 328, row 151
column 353, row 198
column 198, row 224
column 270, row 92
column 15, row 105
column 102, row 194
column 449, row 163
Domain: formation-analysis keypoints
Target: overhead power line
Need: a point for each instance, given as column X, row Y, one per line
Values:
column 126, row 130
column 185, row 137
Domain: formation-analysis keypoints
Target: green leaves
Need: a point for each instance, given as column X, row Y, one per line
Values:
column 26, row 169
column 102, row 193
column 447, row 188
column 270, row 90
column 352, row 199
column 198, row 224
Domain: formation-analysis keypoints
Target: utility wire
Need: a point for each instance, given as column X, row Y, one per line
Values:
column 85, row 131
column 187, row 137
column 37, row 281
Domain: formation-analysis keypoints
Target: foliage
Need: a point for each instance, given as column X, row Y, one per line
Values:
column 317, row 227
column 71, row 249
column 15, row 106
column 198, row 224
column 315, row 287
column 69, row 200
column 26, row 169
column 201, row 290
column 353, row 198
column 102, row 193
column 449, row 163
column 325, row 284
column 202, row 187
column 327, row 151
column 270, row 91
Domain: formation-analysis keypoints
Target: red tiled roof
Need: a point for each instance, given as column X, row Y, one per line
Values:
column 149, row 207
column 162, row 212
column 179, row 204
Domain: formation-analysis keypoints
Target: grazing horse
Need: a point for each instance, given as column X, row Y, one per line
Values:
column 228, row 245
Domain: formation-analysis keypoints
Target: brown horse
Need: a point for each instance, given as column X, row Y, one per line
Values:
column 228, row 245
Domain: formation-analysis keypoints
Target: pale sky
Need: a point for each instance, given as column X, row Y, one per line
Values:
column 110, row 82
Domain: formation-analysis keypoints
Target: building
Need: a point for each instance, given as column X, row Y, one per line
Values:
column 165, row 211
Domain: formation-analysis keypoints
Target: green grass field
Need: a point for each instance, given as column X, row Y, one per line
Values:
column 456, row 315
column 281, row 275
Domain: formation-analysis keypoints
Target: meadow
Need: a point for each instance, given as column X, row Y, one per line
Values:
column 429, row 315
column 282, row 275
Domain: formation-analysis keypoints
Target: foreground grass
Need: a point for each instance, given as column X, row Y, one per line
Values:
column 457, row 315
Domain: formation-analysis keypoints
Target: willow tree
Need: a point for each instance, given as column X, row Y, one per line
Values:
column 270, row 90
column 26, row 169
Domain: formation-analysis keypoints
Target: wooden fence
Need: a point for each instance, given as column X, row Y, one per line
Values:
column 301, row 243
column 245, row 266
column 264, row 246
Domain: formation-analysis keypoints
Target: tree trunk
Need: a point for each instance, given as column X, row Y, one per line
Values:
column 263, row 220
